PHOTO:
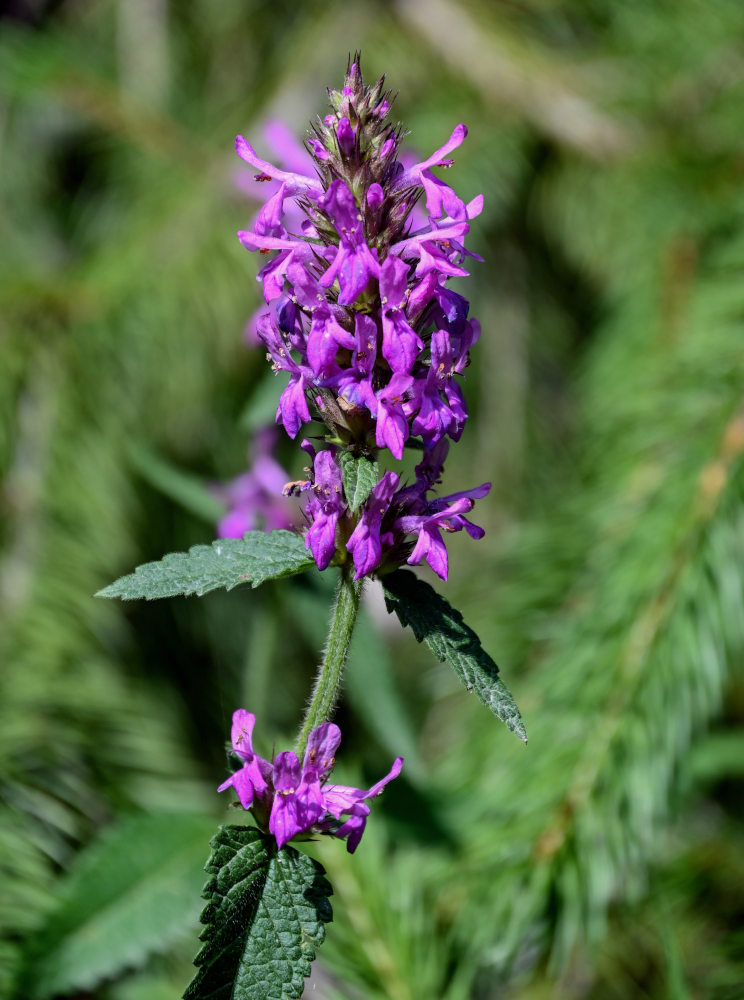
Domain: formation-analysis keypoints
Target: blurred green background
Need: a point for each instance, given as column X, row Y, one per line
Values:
column 606, row 859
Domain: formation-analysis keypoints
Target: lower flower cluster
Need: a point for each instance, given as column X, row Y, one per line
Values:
column 397, row 523
column 289, row 798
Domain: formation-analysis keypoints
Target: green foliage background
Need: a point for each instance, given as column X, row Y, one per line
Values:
column 605, row 859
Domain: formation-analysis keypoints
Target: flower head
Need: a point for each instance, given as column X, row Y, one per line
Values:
column 298, row 798
column 361, row 321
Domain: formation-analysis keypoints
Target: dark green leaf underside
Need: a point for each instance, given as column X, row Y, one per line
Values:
column 435, row 622
column 265, row 916
column 226, row 563
column 360, row 478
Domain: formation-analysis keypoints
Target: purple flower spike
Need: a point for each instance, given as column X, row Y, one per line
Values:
column 361, row 318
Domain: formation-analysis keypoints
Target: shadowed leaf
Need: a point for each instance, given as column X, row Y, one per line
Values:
column 435, row 622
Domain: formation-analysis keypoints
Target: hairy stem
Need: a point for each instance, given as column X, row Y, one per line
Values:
column 328, row 681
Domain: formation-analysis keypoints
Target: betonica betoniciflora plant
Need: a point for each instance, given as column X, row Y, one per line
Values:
column 370, row 347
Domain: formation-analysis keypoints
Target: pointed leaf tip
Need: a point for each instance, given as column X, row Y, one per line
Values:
column 360, row 478
column 435, row 622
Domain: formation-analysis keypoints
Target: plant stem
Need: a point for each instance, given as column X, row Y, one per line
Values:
column 328, row 681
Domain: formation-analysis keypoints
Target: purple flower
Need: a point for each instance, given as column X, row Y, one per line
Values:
column 445, row 514
column 365, row 543
column 360, row 317
column 251, row 780
column 293, row 409
column 326, row 334
column 298, row 804
column 440, row 199
column 296, row 183
column 436, row 418
column 355, row 383
column 400, row 343
column 297, row 798
column 342, row 799
column 353, row 263
column 324, row 508
column 392, row 423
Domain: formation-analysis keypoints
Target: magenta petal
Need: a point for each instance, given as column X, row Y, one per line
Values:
column 311, row 807
column 296, row 183
column 375, row 196
column 283, row 820
column 244, row 786
column 364, row 545
column 287, row 774
column 431, row 546
column 392, row 773
column 297, row 804
column 339, row 799
column 321, row 750
column 354, row 827
column 241, row 733
column 321, row 539
column 392, row 429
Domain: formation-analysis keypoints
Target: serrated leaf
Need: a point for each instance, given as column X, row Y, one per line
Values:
column 265, row 916
column 228, row 562
column 435, row 622
column 131, row 893
column 360, row 478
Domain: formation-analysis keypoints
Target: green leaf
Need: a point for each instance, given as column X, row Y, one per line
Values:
column 442, row 628
column 360, row 478
column 264, row 918
column 228, row 562
column 132, row 892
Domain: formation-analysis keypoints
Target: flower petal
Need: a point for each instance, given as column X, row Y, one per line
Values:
column 242, row 732
column 322, row 745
